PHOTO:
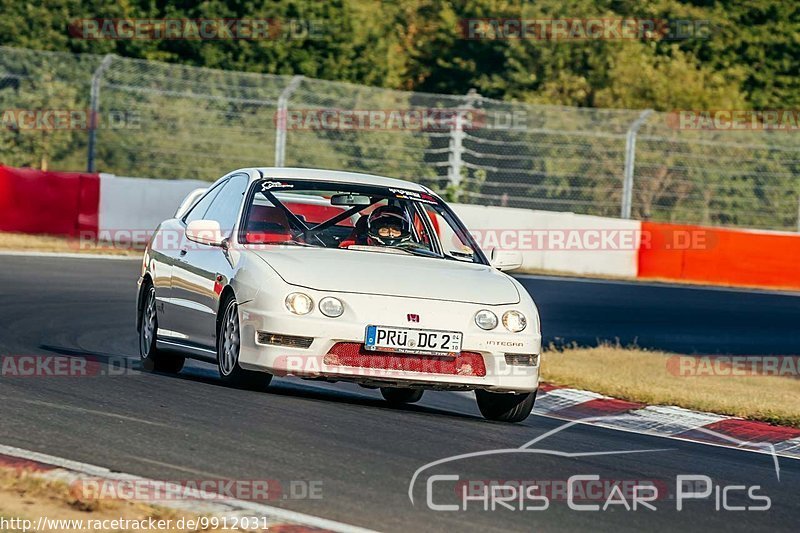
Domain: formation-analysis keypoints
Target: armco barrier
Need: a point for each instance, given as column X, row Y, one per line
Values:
column 715, row 255
column 574, row 259
column 56, row 203
column 135, row 206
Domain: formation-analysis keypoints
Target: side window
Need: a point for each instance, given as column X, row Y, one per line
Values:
column 198, row 212
column 225, row 207
column 452, row 242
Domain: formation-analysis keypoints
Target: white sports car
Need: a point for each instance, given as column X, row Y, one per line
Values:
column 337, row 276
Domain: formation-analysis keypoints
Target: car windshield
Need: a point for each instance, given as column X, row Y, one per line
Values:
column 348, row 216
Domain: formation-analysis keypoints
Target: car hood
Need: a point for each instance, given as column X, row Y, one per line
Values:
column 390, row 274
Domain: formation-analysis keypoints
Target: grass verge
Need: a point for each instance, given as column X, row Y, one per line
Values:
column 655, row 378
column 26, row 496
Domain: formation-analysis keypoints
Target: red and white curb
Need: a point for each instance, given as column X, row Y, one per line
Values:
column 666, row 421
column 196, row 502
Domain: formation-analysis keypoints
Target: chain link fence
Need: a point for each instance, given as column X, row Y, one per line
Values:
column 170, row 121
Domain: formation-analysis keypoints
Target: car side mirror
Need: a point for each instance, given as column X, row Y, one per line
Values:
column 505, row 259
column 205, row 232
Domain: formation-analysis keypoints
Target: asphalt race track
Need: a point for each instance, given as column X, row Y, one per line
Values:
column 683, row 319
column 364, row 453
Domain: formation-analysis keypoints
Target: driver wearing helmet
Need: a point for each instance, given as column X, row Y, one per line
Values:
column 388, row 226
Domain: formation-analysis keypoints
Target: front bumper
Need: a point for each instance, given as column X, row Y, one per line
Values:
column 318, row 362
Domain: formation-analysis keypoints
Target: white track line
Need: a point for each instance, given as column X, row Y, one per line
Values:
column 557, row 399
column 74, row 470
column 74, row 409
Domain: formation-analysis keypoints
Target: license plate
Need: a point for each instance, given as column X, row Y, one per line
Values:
column 412, row 341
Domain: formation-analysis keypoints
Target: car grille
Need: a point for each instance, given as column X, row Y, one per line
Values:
column 291, row 341
column 522, row 359
column 354, row 354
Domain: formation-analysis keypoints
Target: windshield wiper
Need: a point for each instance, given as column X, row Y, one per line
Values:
column 463, row 257
column 284, row 243
column 421, row 252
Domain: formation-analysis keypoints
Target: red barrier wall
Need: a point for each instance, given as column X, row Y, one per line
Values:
column 55, row 203
column 715, row 255
column 67, row 203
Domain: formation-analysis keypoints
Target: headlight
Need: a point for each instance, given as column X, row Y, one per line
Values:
column 332, row 307
column 299, row 303
column 514, row 321
column 486, row 319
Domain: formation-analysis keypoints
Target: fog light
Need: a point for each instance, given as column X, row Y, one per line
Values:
column 486, row 319
column 292, row 341
column 299, row 303
column 522, row 359
column 514, row 321
column 332, row 307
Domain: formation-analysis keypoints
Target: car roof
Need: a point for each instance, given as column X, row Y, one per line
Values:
column 338, row 176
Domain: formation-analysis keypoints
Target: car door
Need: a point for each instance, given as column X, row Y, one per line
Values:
column 167, row 245
column 201, row 270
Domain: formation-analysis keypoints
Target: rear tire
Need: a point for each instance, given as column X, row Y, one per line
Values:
column 153, row 359
column 228, row 344
column 505, row 407
column 399, row 396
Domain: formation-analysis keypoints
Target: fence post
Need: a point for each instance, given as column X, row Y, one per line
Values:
column 630, row 158
column 280, row 123
column 94, row 104
column 457, row 140
column 798, row 212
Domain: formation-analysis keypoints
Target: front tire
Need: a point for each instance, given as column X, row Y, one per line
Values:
column 228, row 345
column 505, row 407
column 399, row 396
column 153, row 359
